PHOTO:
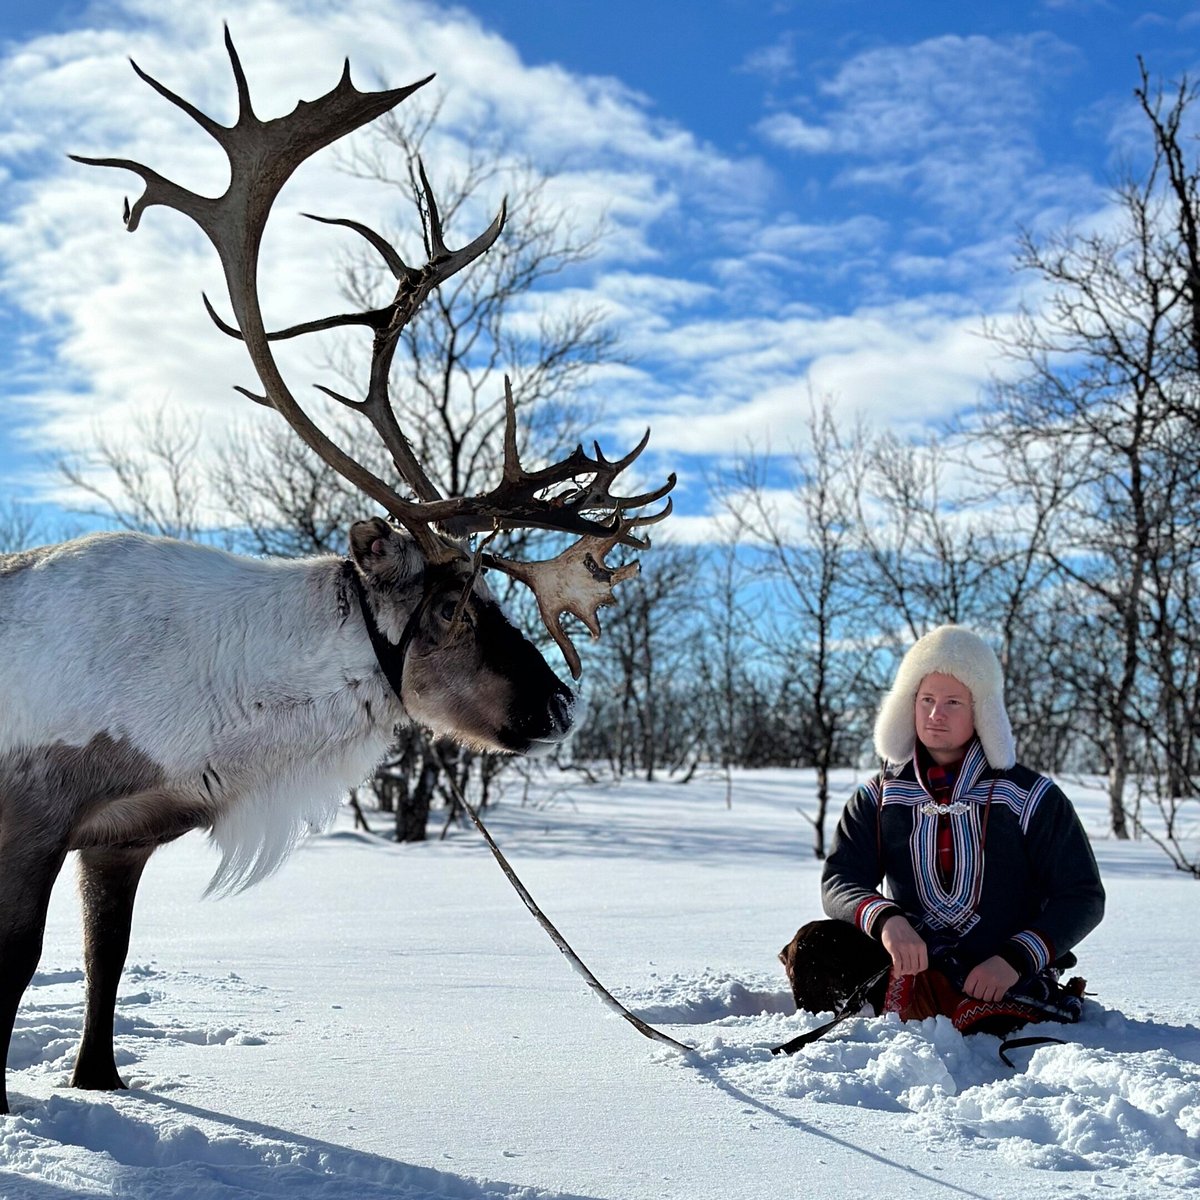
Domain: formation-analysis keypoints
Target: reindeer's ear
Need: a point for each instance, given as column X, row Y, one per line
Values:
column 383, row 554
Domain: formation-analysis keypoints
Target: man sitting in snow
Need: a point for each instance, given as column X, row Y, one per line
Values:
column 990, row 877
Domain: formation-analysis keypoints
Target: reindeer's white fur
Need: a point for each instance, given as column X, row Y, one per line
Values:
column 241, row 679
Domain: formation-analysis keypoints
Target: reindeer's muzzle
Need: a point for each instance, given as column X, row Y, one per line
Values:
column 538, row 727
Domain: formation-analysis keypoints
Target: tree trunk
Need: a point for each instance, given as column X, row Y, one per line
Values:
column 1116, row 803
column 1118, row 773
column 412, row 813
column 822, row 808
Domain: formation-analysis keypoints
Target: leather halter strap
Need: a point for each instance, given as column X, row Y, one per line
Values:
column 389, row 655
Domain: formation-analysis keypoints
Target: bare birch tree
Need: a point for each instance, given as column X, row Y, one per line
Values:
column 1097, row 428
column 147, row 481
column 20, row 526
column 806, row 536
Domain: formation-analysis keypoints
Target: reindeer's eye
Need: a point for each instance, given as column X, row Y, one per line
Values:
column 448, row 606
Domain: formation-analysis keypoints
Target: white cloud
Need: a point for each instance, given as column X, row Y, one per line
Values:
column 123, row 313
column 774, row 62
column 701, row 274
column 948, row 119
column 684, row 530
column 750, row 382
column 1082, row 7
column 801, row 238
column 794, row 133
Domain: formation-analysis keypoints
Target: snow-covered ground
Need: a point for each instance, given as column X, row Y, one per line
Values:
column 389, row 1021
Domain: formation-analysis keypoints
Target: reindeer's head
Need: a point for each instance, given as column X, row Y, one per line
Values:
column 465, row 671
column 460, row 666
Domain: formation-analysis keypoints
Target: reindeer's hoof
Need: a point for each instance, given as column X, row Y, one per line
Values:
column 98, row 1080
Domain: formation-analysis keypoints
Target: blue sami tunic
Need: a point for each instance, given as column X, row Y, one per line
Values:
column 1024, row 882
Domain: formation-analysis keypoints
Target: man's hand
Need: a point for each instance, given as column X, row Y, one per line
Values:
column 910, row 955
column 991, row 979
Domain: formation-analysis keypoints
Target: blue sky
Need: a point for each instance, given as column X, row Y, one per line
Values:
column 803, row 199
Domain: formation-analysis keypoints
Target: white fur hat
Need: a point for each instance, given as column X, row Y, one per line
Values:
column 947, row 650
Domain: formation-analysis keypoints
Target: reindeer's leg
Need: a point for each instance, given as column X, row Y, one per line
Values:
column 27, row 873
column 108, row 880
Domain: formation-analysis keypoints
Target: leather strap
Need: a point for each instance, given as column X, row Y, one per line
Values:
column 850, row 1009
column 390, row 656
column 1017, row 1043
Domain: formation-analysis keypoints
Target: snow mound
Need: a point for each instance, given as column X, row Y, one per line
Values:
column 1119, row 1094
column 1082, row 1108
column 713, row 997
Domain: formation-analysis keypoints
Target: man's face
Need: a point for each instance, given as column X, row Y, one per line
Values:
column 944, row 716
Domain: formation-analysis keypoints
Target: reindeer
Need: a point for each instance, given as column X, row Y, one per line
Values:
column 152, row 687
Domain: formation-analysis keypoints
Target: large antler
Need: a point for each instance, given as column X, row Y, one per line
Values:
column 262, row 157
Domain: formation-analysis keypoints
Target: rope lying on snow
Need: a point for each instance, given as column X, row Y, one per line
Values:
column 606, row 997
column 849, row 1009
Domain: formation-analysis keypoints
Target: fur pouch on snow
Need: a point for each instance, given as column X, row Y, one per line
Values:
column 826, row 963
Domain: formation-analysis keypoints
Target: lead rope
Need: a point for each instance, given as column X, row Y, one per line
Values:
column 1017, row 1043
column 391, row 661
column 606, row 997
